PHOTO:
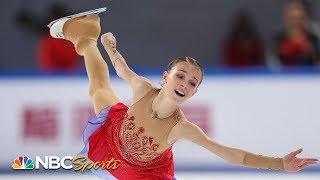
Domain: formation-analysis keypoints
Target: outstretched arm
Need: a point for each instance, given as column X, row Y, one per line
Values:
column 139, row 84
column 109, row 42
column 191, row 132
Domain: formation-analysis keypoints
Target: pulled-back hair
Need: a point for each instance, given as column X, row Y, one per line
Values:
column 190, row 60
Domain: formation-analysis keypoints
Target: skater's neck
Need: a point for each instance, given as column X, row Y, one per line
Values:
column 162, row 106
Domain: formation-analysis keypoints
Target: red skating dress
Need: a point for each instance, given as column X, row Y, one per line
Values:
column 103, row 141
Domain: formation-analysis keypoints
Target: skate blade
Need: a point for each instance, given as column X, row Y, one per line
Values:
column 94, row 11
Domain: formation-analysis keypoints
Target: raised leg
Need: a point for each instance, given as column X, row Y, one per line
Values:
column 84, row 32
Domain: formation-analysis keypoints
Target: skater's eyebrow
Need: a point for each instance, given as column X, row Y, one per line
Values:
column 187, row 73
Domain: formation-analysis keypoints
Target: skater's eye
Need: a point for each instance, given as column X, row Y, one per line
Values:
column 180, row 76
column 192, row 83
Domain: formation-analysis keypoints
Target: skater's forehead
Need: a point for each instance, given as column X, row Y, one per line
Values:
column 189, row 69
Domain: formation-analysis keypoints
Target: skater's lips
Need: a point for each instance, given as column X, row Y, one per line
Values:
column 180, row 92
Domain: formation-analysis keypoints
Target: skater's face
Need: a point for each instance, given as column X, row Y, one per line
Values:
column 181, row 82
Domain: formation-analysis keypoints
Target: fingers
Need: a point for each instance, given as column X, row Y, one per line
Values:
column 311, row 159
column 294, row 153
column 306, row 160
column 109, row 42
column 305, row 164
column 108, row 37
column 109, row 34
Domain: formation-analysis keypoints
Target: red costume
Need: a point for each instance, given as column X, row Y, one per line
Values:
column 102, row 143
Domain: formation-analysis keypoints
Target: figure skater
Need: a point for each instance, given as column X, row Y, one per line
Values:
column 141, row 135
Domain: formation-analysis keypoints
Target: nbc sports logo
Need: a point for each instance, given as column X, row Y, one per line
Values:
column 23, row 163
column 67, row 162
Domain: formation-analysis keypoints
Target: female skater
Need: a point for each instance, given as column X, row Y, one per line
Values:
column 141, row 135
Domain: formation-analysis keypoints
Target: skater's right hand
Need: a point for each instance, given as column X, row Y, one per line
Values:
column 109, row 41
column 292, row 163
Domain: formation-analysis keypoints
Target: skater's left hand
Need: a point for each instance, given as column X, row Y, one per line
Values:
column 291, row 163
column 109, row 41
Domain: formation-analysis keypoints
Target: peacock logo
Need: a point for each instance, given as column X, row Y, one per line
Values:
column 23, row 163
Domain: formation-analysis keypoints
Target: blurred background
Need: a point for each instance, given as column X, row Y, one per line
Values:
column 260, row 91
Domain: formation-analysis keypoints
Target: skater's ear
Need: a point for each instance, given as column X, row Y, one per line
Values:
column 165, row 76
